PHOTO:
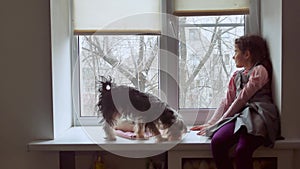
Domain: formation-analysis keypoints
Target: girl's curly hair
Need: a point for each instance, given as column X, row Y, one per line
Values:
column 258, row 48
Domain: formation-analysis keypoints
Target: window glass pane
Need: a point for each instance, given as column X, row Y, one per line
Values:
column 205, row 55
column 129, row 60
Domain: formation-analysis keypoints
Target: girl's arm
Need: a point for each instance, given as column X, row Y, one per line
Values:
column 257, row 79
column 225, row 103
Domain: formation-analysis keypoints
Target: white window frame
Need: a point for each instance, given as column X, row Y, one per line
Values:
column 191, row 116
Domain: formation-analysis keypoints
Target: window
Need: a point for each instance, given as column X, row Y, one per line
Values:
column 199, row 62
column 130, row 60
column 206, row 44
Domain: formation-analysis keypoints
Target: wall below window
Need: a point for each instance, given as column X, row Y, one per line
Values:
column 88, row 159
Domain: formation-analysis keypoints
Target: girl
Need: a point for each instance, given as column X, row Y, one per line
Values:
column 246, row 117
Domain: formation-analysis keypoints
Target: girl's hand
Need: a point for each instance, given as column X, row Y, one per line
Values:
column 202, row 129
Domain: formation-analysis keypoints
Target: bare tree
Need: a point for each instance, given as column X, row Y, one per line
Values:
column 103, row 54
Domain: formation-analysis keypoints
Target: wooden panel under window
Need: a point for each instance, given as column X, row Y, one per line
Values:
column 208, row 163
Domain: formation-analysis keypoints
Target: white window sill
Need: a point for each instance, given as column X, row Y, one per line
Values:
column 192, row 146
column 91, row 138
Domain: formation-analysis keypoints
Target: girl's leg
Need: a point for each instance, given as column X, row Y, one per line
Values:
column 246, row 145
column 221, row 143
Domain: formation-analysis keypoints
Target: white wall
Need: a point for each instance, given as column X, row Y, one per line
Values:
column 271, row 20
column 61, row 66
column 25, row 84
column 281, row 25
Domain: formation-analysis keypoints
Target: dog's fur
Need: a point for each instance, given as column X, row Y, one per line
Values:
column 147, row 112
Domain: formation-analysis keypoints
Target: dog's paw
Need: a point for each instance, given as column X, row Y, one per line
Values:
column 110, row 138
column 140, row 137
column 174, row 138
column 159, row 139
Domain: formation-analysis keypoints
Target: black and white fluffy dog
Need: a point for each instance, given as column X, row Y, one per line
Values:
column 148, row 112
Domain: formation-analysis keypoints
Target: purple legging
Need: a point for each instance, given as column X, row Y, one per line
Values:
column 224, row 139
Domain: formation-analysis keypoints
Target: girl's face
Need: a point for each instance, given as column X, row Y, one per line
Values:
column 241, row 59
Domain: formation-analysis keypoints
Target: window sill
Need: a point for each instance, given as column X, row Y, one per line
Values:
column 91, row 138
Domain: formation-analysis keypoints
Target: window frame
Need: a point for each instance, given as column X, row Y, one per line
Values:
column 167, row 43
